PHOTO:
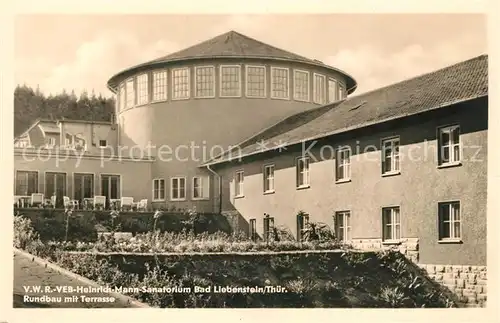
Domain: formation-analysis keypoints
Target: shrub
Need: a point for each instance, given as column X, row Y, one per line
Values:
column 314, row 280
column 24, row 232
column 81, row 228
column 185, row 241
column 394, row 297
column 348, row 279
column 26, row 238
column 317, row 231
column 283, row 233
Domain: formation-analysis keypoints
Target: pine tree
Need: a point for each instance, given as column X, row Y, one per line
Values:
column 30, row 105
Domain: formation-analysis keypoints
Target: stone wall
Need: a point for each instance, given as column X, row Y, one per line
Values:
column 407, row 246
column 467, row 282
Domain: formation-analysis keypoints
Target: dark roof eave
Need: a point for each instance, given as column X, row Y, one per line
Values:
column 343, row 130
column 112, row 86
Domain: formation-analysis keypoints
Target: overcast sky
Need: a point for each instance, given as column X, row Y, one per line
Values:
column 83, row 51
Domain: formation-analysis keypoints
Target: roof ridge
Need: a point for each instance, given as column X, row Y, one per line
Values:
column 357, row 96
column 32, row 126
column 227, row 35
column 272, row 46
column 454, row 84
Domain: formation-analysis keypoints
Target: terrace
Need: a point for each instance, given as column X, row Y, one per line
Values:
column 98, row 202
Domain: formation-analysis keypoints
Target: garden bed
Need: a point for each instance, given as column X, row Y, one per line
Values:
column 294, row 279
column 84, row 225
column 182, row 262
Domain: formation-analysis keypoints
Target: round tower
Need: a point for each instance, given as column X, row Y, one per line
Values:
column 188, row 106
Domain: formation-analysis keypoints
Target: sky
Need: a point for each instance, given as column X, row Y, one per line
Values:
column 81, row 52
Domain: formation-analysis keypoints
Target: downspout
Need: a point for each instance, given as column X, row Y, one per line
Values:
column 219, row 177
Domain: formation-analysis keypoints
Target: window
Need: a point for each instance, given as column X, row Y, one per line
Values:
column 180, row 81
column 319, row 85
column 230, row 81
column 341, row 92
column 83, row 186
column 158, row 189
column 301, row 88
column 390, row 156
column 103, row 143
column 238, row 184
column 55, row 184
column 178, row 188
column 449, row 221
column 160, row 85
column 200, row 188
column 130, row 93
column 343, row 164
column 343, row 225
column 302, row 222
column 122, row 97
column 302, row 172
column 268, row 178
column 142, row 89
column 268, row 226
column 256, row 81
column 449, row 145
column 280, row 83
column 51, row 141
column 110, row 187
column 332, row 90
column 22, row 143
column 253, row 229
column 26, row 183
column 391, row 223
column 68, row 140
column 205, row 81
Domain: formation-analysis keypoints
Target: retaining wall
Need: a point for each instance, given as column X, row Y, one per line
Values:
column 468, row 283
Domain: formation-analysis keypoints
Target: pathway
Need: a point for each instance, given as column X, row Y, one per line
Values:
column 30, row 275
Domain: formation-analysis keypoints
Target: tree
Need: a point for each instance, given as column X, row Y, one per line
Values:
column 30, row 104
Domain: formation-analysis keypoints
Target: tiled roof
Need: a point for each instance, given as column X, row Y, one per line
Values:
column 234, row 44
column 49, row 127
column 444, row 87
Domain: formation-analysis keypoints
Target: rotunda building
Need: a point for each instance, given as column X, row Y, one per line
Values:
column 191, row 105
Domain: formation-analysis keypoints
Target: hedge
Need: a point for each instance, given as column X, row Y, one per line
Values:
column 84, row 225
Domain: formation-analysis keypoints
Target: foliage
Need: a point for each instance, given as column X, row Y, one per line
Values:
column 331, row 282
column 394, row 297
column 338, row 279
column 26, row 238
column 51, row 224
column 187, row 241
column 30, row 104
column 317, row 231
column 283, row 233
column 23, row 232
